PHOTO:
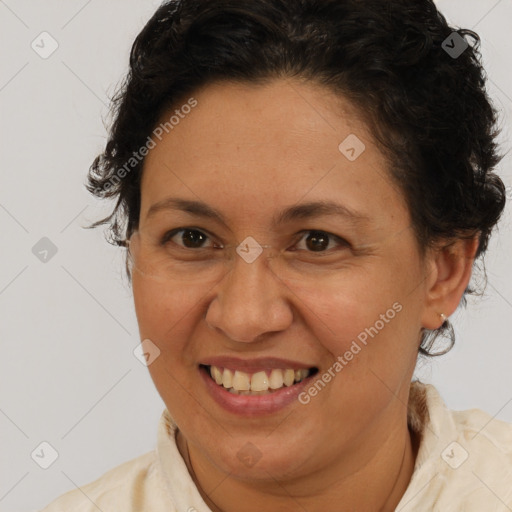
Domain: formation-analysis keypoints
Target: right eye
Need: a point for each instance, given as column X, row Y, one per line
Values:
column 191, row 238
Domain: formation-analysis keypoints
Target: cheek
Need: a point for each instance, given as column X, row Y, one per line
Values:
column 366, row 319
column 165, row 312
column 339, row 307
column 166, row 315
column 367, row 328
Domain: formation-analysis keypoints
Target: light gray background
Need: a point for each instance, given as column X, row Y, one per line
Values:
column 68, row 328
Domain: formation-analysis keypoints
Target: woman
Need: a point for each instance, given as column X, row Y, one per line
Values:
column 303, row 188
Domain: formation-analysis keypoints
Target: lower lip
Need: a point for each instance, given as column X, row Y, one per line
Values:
column 253, row 405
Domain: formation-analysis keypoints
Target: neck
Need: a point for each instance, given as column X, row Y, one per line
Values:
column 378, row 485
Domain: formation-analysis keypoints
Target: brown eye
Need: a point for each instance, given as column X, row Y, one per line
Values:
column 190, row 238
column 318, row 241
column 193, row 238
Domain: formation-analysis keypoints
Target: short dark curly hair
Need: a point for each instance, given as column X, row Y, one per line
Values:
column 426, row 106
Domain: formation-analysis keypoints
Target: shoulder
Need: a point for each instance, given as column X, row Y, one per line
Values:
column 134, row 485
column 464, row 460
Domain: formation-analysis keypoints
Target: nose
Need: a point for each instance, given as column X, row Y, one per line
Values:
column 250, row 301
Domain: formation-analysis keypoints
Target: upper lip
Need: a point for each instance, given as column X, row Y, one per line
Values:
column 258, row 363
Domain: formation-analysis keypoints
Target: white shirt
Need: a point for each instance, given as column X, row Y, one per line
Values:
column 464, row 464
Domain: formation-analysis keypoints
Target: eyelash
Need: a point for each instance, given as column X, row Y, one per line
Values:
column 170, row 234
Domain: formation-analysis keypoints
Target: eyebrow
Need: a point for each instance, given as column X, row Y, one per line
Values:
column 301, row 211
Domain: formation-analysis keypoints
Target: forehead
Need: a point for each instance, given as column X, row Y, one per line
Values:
column 254, row 148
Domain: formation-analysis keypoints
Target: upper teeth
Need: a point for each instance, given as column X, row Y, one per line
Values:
column 259, row 381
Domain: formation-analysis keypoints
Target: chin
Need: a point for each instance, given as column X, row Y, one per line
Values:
column 249, row 460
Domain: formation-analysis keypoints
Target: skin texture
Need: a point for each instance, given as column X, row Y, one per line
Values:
column 250, row 151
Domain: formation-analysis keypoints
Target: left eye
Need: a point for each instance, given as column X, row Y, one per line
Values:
column 318, row 241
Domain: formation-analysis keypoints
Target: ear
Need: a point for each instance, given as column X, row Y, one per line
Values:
column 449, row 271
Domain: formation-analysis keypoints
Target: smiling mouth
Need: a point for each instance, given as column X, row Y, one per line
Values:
column 263, row 382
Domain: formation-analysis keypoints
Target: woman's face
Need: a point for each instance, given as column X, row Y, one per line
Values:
column 310, row 288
